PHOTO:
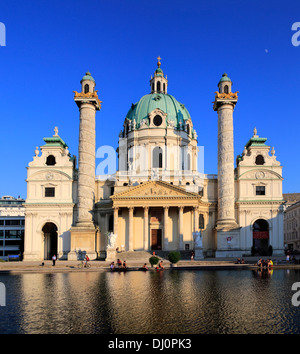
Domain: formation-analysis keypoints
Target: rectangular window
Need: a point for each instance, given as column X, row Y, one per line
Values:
column 49, row 192
column 12, row 222
column 260, row 190
column 13, row 233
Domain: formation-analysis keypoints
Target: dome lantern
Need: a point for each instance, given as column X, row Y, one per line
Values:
column 225, row 84
column 87, row 83
column 158, row 83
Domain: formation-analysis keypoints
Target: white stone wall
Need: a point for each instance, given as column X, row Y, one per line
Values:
column 40, row 209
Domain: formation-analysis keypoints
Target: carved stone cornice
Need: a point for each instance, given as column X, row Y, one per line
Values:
column 259, row 202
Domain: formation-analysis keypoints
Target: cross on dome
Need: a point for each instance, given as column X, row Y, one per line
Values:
column 158, row 61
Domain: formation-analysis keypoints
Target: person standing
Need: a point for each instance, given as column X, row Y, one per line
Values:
column 53, row 260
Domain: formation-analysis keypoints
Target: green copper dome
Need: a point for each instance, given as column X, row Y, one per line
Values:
column 159, row 72
column 175, row 110
column 224, row 78
column 87, row 76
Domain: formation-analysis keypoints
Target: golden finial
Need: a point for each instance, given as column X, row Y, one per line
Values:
column 158, row 61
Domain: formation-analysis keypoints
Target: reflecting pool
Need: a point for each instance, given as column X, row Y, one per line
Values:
column 165, row 302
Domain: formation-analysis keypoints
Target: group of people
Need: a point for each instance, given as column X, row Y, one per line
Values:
column 240, row 261
column 123, row 266
column 118, row 265
column 265, row 263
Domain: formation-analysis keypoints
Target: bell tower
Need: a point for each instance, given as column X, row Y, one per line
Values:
column 83, row 233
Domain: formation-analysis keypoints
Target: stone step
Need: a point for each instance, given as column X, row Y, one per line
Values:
column 145, row 255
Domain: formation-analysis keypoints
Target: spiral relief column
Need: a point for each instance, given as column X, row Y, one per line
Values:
column 83, row 234
column 224, row 104
column 86, row 165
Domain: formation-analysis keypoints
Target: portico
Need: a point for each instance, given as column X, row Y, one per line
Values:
column 164, row 215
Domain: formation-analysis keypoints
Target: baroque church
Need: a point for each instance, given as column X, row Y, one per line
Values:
column 157, row 200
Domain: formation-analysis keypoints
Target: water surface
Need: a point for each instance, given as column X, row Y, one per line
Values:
column 168, row 302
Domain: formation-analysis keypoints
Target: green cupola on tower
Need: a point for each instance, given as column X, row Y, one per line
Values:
column 176, row 112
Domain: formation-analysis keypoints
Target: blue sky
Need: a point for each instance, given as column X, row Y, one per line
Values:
column 51, row 44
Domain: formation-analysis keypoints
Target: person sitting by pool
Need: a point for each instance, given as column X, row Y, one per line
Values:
column 145, row 267
column 270, row 263
column 238, row 261
column 119, row 263
column 160, row 265
column 124, row 265
column 112, row 265
column 259, row 263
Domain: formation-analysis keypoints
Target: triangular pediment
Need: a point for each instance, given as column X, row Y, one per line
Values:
column 155, row 189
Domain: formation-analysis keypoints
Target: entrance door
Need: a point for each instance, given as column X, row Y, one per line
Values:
column 156, row 239
column 50, row 240
column 261, row 237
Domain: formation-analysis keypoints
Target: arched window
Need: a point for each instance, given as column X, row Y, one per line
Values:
column 226, row 88
column 86, row 88
column 164, row 88
column 157, row 157
column 158, row 86
column 188, row 129
column 152, row 86
column 50, row 160
column 259, row 160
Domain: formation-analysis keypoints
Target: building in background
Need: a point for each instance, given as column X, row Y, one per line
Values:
column 292, row 227
column 12, row 221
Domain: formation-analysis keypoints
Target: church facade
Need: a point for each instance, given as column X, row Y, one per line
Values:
column 157, row 200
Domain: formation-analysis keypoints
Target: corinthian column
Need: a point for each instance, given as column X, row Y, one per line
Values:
column 146, row 228
column 166, row 237
column 130, row 228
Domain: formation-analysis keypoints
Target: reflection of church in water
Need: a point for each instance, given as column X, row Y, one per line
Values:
column 157, row 200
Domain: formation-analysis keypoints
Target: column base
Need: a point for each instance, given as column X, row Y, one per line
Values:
column 31, row 256
column 228, row 243
column 83, row 242
column 226, row 225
